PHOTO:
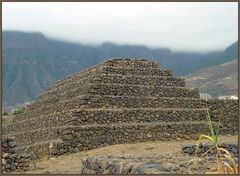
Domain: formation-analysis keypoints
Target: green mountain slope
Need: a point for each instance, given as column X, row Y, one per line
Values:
column 31, row 62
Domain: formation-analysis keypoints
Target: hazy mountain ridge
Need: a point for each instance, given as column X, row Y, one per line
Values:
column 216, row 80
column 31, row 62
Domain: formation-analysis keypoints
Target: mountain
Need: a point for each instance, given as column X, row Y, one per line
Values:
column 31, row 61
column 216, row 80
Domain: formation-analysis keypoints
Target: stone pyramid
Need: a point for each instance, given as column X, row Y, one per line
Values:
column 117, row 101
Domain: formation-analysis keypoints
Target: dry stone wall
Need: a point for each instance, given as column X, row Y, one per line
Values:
column 230, row 118
column 190, row 149
column 105, row 101
column 136, row 71
column 79, row 138
column 88, row 117
column 136, row 90
column 138, row 80
column 129, row 63
column 122, row 165
column 11, row 161
column 117, row 101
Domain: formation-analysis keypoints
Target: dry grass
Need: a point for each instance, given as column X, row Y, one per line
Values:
column 224, row 167
column 224, row 160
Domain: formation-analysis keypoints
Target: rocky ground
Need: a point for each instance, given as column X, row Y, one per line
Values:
column 168, row 154
column 162, row 164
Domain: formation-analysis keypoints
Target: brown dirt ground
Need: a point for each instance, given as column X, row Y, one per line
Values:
column 6, row 120
column 71, row 164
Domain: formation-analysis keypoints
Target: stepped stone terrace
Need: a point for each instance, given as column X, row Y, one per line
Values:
column 117, row 101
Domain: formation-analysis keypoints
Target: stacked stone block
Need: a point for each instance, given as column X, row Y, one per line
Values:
column 190, row 149
column 227, row 111
column 117, row 101
column 122, row 165
column 11, row 161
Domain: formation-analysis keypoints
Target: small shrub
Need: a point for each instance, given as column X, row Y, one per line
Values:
column 18, row 111
column 5, row 113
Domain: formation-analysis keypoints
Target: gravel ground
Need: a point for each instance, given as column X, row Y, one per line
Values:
column 167, row 153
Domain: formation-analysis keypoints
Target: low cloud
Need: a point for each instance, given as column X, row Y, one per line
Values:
column 179, row 26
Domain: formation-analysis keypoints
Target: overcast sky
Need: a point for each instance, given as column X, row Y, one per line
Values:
column 178, row 26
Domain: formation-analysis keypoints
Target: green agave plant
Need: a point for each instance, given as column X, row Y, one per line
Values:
column 223, row 167
column 213, row 137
